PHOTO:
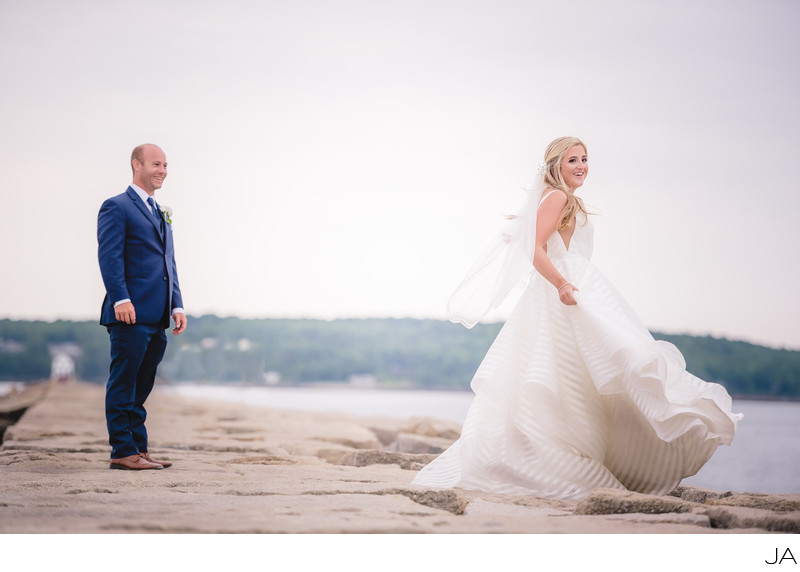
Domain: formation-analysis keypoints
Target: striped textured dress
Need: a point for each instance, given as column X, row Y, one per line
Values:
column 570, row 398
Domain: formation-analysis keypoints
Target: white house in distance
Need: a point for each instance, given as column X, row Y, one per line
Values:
column 62, row 366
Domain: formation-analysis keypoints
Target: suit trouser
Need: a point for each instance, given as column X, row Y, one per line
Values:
column 136, row 351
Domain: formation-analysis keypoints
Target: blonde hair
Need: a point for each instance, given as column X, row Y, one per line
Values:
column 552, row 177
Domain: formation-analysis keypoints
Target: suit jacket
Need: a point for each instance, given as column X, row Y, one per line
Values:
column 135, row 261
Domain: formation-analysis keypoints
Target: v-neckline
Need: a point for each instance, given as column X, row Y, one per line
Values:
column 567, row 243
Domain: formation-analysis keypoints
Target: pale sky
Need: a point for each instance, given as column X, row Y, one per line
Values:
column 352, row 158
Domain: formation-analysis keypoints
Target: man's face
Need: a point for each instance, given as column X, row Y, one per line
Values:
column 150, row 173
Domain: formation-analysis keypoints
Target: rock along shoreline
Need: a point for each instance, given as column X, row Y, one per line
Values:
column 241, row 469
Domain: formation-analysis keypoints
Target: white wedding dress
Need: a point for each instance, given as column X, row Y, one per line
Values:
column 570, row 398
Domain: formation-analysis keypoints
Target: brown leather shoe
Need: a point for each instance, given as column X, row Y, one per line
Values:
column 150, row 459
column 133, row 463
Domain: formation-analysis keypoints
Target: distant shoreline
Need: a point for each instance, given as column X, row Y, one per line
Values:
column 395, row 353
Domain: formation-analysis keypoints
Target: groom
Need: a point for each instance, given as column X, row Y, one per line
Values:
column 137, row 262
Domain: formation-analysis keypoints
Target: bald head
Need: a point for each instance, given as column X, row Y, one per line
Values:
column 149, row 165
column 139, row 151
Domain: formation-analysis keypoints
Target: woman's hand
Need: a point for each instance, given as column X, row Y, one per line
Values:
column 565, row 294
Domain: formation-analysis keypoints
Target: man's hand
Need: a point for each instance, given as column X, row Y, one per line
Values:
column 180, row 323
column 125, row 313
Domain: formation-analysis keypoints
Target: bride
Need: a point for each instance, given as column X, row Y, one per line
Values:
column 574, row 393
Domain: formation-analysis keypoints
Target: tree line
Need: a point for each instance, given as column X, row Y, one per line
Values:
column 400, row 352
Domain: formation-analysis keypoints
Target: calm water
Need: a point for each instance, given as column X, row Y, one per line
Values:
column 9, row 386
column 764, row 456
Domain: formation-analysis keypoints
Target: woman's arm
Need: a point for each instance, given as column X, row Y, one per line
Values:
column 546, row 224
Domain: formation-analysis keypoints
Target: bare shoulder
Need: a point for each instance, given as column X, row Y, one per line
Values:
column 552, row 198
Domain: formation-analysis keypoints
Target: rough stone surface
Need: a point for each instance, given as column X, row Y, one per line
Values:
column 664, row 517
column 377, row 457
column 758, row 500
column 433, row 428
column 698, row 494
column 419, row 444
column 384, row 435
column 614, row 501
column 240, row 469
column 485, row 507
column 745, row 517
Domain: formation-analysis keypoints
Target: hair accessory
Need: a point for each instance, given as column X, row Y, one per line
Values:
column 542, row 169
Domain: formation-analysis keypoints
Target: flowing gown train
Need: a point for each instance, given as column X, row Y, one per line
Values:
column 570, row 398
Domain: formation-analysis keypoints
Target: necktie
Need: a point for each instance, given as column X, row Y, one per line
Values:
column 159, row 219
column 152, row 204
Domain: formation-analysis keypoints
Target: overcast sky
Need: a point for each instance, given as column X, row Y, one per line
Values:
column 352, row 158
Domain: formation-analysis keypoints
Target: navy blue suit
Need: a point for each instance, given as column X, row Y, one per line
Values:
column 137, row 262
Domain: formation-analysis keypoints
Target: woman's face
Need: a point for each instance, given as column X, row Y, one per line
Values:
column 575, row 166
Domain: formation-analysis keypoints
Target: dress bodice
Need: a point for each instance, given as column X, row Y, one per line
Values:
column 580, row 245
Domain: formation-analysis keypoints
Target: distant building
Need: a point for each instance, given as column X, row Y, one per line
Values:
column 272, row 377
column 62, row 366
column 11, row 347
column 363, row 380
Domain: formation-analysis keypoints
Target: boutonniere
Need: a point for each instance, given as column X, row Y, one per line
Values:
column 166, row 212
